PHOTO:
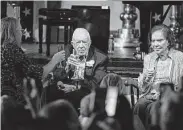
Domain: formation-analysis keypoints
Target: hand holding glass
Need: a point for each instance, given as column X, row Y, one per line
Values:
column 149, row 75
column 61, row 49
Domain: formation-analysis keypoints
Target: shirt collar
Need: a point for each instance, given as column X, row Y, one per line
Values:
column 170, row 54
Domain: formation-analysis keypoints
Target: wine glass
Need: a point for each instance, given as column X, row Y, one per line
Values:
column 152, row 71
column 60, row 47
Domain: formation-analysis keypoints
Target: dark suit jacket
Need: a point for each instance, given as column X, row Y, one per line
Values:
column 93, row 75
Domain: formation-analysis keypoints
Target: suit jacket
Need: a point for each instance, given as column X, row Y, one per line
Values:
column 93, row 75
column 176, row 71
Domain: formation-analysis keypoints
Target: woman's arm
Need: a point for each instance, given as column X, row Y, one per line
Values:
column 47, row 69
column 58, row 57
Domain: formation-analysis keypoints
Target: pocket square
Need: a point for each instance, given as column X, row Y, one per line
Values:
column 90, row 63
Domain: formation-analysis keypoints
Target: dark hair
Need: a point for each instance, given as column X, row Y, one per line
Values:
column 171, row 85
column 59, row 114
column 112, row 79
column 167, row 32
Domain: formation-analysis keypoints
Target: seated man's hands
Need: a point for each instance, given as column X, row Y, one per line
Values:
column 69, row 88
column 76, row 65
column 30, row 95
column 66, row 87
column 71, row 62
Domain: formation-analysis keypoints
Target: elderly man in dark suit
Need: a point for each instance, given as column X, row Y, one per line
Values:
column 80, row 73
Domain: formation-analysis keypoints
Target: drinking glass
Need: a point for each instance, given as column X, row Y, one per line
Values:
column 152, row 77
column 60, row 47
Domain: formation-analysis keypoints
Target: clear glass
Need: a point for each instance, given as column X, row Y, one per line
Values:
column 60, row 47
column 151, row 70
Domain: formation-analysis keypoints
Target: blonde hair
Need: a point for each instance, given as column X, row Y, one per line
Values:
column 8, row 30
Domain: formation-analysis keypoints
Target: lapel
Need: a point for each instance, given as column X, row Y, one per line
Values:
column 91, row 56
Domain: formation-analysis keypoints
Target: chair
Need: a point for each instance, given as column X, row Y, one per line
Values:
column 132, row 85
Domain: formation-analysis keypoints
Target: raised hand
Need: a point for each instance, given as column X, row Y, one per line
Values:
column 58, row 57
column 30, row 94
column 30, row 87
column 69, row 88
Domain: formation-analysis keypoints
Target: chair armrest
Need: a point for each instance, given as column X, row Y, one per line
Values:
column 132, row 83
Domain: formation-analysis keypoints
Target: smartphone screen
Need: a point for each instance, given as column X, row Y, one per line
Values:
column 111, row 100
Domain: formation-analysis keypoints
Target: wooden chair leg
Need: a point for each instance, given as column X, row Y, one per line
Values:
column 48, row 39
column 132, row 96
column 66, row 34
column 40, row 35
column 58, row 34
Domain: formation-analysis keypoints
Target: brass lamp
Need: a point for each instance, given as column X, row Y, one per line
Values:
column 175, row 26
column 127, row 41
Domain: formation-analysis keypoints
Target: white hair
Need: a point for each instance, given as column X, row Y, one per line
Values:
column 78, row 32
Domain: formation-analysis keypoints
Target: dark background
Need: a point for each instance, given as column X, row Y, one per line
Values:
column 97, row 22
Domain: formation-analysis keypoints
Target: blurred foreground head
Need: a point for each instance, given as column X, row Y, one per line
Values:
column 59, row 115
column 99, row 99
column 103, row 100
column 112, row 79
column 13, row 115
column 171, row 114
